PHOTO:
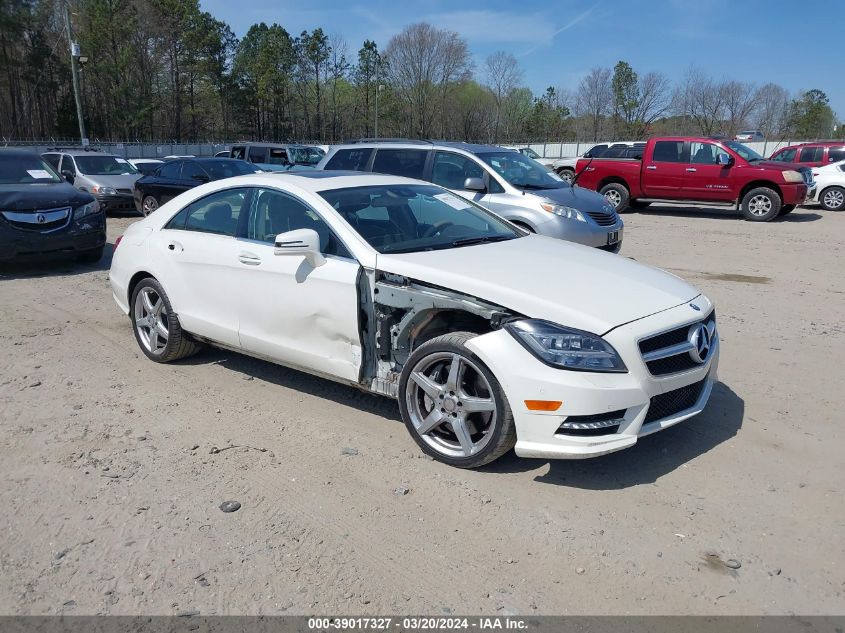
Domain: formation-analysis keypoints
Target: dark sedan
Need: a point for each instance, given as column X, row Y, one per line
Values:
column 41, row 214
column 176, row 176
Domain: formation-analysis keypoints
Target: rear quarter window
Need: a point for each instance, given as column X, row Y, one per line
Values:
column 350, row 159
column 835, row 155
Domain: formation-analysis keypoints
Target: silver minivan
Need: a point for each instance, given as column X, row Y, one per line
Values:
column 109, row 178
column 503, row 180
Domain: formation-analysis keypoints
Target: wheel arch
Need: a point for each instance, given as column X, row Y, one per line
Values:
column 613, row 180
column 754, row 184
column 133, row 283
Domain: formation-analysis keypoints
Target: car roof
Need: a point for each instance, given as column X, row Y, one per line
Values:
column 80, row 152
column 315, row 180
column 472, row 148
column 18, row 151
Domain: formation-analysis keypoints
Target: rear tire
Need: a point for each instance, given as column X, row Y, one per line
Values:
column 761, row 204
column 452, row 404
column 787, row 208
column 617, row 194
column 833, row 199
column 156, row 326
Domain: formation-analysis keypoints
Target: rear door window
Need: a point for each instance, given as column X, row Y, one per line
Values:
column 668, row 152
column 216, row 213
column 451, row 170
column 258, row 154
column 354, row 159
column 192, row 171
column 409, row 163
column 811, row 155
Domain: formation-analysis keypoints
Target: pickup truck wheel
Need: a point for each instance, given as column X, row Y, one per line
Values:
column 761, row 205
column 452, row 404
column 833, row 199
column 617, row 195
column 567, row 174
column 787, row 208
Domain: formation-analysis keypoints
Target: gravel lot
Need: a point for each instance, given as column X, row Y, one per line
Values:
column 115, row 467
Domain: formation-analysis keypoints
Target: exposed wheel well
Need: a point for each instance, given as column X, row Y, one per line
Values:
column 446, row 321
column 613, row 180
column 760, row 183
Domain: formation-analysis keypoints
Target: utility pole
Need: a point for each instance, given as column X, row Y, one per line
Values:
column 74, row 70
column 379, row 88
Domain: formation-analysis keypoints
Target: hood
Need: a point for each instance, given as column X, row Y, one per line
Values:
column 544, row 278
column 575, row 197
column 122, row 181
column 778, row 165
column 37, row 197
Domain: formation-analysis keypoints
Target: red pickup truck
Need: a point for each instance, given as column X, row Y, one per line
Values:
column 698, row 169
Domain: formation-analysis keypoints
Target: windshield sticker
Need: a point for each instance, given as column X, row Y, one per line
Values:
column 452, row 201
column 38, row 174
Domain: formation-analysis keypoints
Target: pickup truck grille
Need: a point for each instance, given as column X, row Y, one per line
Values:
column 603, row 218
column 668, row 353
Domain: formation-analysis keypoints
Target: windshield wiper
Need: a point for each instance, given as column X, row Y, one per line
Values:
column 530, row 186
column 469, row 241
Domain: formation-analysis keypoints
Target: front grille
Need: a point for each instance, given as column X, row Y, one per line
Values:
column 603, row 218
column 672, row 402
column 42, row 221
column 127, row 192
column 674, row 362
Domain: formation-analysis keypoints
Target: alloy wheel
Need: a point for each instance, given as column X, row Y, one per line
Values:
column 833, row 199
column 451, row 404
column 759, row 205
column 149, row 205
column 613, row 197
column 151, row 320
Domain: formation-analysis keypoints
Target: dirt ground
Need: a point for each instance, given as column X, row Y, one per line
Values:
column 114, row 467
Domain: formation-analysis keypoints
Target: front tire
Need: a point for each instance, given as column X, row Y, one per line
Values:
column 567, row 174
column 156, row 326
column 761, row 205
column 787, row 208
column 833, row 199
column 617, row 194
column 148, row 205
column 452, row 404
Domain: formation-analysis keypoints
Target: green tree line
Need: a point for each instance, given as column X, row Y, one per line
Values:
column 166, row 70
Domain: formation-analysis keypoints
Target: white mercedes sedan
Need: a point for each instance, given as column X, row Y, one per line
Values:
column 489, row 337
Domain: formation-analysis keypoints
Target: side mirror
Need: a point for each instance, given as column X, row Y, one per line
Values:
column 302, row 242
column 474, row 184
column 723, row 159
column 68, row 176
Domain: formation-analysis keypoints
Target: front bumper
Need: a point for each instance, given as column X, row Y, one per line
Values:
column 587, row 233
column 796, row 193
column 119, row 202
column 523, row 377
column 82, row 235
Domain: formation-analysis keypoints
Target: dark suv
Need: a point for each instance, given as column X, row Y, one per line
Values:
column 40, row 213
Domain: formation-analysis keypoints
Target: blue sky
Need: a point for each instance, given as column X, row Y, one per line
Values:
column 557, row 42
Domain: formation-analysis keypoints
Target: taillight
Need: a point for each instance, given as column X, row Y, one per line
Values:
column 117, row 242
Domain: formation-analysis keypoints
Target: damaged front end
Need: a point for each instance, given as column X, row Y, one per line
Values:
column 398, row 314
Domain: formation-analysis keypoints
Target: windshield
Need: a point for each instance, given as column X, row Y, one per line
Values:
column 103, row 166
column 306, row 155
column 21, row 169
column 746, row 152
column 530, row 153
column 521, row 171
column 219, row 169
column 410, row 218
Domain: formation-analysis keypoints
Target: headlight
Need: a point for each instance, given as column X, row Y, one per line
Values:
column 565, row 347
column 790, row 175
column 103, row 191
column 565, row 212
column 86, row 209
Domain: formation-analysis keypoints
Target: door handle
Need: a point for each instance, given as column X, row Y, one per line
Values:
column 175, row 247
column 691, row 169
column 249, row 259
column 651, row 166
